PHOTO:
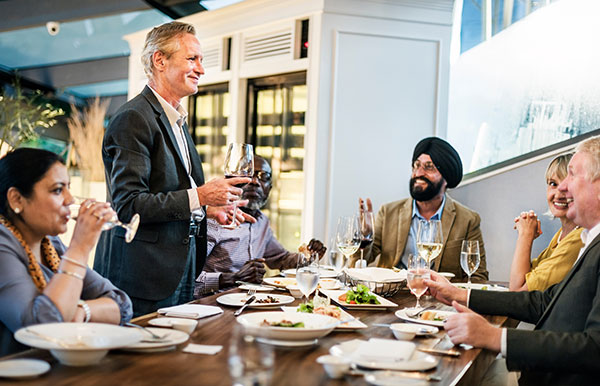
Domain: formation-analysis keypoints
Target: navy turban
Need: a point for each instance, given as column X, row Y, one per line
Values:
column 444, row 156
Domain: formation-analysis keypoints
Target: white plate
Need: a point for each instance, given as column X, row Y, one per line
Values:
column 280, row 282
column 259, row 288
column 449, row 275
column 480, row 286
column 166, row 322
column 391, row 378
column 238, row 300
column 315, row 326
column 171, row 339
column 23, row 368
column 419, row 361
column 353, row 325
column 288, row 343
column 438, row 323
column 323, row 272
column 335, row 294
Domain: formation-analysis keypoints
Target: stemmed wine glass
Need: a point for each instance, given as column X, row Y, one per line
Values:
column 307, row 273
column 366, row 232
column 469, row 257
column 348, row 235
column 239, row 162
column 429, row 239
column 130, row 228
column 418, row 270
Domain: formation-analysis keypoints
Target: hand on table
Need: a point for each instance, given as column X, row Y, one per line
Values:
column 471, row 328
column 443, row 290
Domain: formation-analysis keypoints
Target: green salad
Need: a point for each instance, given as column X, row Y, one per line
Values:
column 359, row 295
column 307, row 307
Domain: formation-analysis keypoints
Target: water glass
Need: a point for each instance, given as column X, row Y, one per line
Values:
column 469, row 257
column 250, row 361
column 418, row 270
column 307, row 274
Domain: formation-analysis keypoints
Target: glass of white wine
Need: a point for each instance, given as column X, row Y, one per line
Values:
column 418, row 270
column 130, row 228
column 348, row 235
column 429, row 239
column 469, row 257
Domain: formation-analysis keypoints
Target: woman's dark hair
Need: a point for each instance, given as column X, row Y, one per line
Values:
column 23, row 168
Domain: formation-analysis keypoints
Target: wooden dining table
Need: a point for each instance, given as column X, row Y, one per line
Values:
column 293, row 365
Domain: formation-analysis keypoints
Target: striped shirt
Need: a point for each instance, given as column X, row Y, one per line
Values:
column 229, row 249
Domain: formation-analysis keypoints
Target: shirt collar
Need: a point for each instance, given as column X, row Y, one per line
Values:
column 588, row 235
column 174, row 115
column 436, row 216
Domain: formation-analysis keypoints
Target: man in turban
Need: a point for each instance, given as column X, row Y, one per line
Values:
column 436, row 167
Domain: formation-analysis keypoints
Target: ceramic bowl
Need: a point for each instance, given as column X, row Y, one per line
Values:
column 335, row 367
column 405, row 331
column 294, row 291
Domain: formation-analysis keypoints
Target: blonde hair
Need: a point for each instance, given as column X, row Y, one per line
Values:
column 162, row 38
column 591, row 146
column 559, row 166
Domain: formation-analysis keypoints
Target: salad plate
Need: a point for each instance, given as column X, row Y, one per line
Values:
column 375, row 302
column 287, row 326
column 352, row 325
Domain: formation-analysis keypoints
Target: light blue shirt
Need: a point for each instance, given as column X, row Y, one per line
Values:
column 411, row 241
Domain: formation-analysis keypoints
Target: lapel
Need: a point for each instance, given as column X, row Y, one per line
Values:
column 196, row 163
column 404, row 221
column 568, row 278
column 163, row 121
column 448, row 216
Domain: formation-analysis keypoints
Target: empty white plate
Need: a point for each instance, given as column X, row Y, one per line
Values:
column 23, row 368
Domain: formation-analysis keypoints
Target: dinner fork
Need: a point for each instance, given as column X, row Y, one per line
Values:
column 154, row 336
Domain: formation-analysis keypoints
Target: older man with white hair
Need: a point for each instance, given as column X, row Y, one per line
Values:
column 564, row 347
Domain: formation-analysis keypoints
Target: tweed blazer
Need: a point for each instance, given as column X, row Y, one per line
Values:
column 564, row 347
column 459, row 223
column 145, row 174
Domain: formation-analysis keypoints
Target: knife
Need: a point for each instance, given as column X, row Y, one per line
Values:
column 250, row 300
column 260, row 285
column 452, row 353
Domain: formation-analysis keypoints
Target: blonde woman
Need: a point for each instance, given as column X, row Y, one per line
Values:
column 551, row 266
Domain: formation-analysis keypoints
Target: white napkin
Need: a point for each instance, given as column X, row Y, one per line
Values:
column 202, row 349
column 376, row 274
column 385, row 350
column 191, row 311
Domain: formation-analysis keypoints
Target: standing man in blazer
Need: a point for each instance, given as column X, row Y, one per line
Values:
column 152, row 168
column 436, row 167
column 564, row 348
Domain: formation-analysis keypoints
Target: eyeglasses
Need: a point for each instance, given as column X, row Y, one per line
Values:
column 262, row 175
column 429, row 166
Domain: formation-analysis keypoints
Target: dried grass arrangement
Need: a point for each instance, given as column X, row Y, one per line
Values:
column 86, row 129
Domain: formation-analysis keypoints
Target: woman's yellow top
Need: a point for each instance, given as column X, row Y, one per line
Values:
column 553, row 264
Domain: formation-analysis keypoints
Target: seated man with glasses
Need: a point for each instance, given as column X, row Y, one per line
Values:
column 240, row 253
column 436, row 167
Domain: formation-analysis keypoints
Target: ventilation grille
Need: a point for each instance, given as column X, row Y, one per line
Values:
column 211, row 57
column 263, row 46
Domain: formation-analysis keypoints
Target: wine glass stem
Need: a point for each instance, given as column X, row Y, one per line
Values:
column 234, row 214
column 418, row 305
column 469, row 279
column 361, row 257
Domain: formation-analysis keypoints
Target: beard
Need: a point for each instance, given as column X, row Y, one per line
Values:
column 254, row 204
column 430, row 191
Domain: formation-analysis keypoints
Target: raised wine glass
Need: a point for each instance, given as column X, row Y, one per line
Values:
column 348, row 236
column 418, row 270
column 239, row 162
column 429, row 239
column 307, row 273
column 130, row 228
column 469, row 257
column 366, row 232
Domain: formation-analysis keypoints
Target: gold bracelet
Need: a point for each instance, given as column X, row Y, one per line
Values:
column 74, row 274
column 74, row 262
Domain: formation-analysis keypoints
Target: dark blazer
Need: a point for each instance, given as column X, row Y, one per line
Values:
column 145, row 174
column 459, row 223
column 564, row 348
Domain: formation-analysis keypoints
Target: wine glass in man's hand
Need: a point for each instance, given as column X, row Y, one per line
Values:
column 239, row 162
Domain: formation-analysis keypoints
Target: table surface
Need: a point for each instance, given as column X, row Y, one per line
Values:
column 293, row 366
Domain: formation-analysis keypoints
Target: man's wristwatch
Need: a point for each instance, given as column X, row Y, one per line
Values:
column 86, row 310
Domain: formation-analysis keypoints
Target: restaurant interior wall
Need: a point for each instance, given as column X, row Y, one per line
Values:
column 377, row 82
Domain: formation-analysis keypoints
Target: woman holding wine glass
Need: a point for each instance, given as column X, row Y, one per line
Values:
column 42, row 281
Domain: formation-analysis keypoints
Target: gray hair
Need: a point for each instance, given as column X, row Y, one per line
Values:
column 162, row 38
column 591, row 146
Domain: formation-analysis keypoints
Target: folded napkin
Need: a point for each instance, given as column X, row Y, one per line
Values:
column 190, row 311
column 376, row 274
column 385, row 350
column 202, row 349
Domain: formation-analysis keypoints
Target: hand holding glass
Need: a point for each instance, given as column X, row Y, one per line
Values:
column 239, row 162
column 429, row 239
column 418, row 270
column 469, row 257
column 366, row 231
column 130, row 228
